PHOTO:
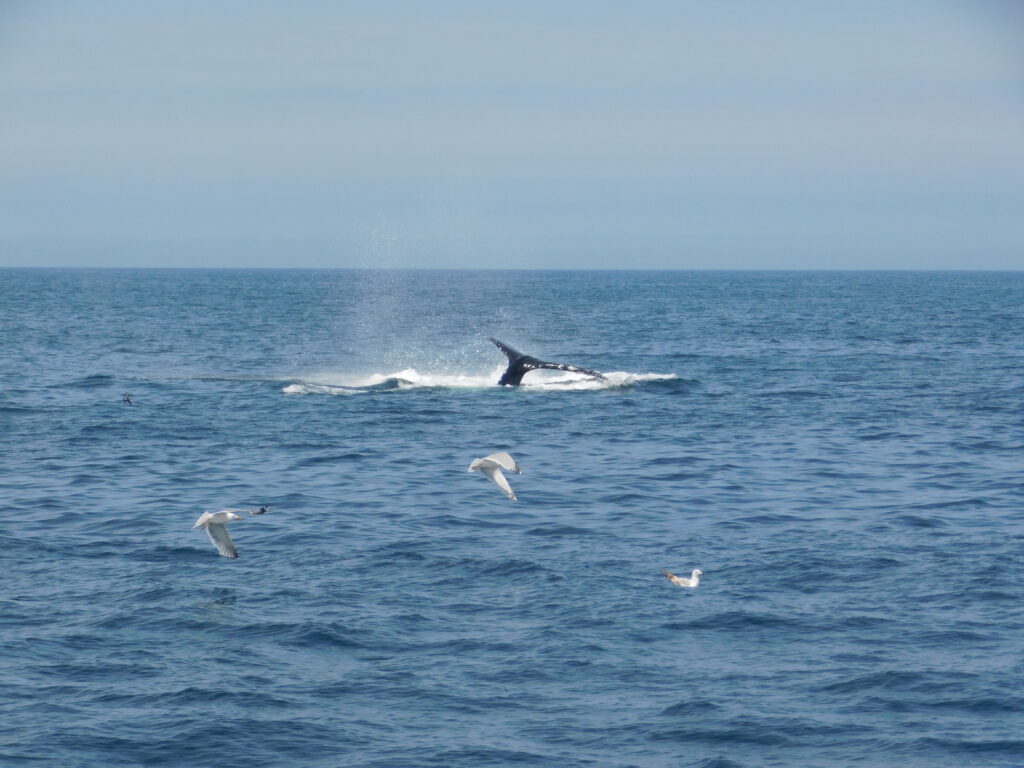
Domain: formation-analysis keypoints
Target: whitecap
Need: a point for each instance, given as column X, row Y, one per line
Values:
column 337, row 383
column 318, row 389
column 578, row 381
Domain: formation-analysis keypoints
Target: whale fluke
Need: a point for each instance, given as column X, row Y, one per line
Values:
column 519, row 365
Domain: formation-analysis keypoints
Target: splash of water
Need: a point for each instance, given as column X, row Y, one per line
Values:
column 336, row 383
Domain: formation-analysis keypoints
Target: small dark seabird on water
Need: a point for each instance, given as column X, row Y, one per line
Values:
column 127, row 400
column 251, row 510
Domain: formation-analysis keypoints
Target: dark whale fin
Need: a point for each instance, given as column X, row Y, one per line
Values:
column 510, row 353
column 519, row 365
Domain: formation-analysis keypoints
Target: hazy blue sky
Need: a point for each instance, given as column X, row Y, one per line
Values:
column 727, row 134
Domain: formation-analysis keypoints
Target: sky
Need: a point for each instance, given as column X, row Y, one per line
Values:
column 795, row 134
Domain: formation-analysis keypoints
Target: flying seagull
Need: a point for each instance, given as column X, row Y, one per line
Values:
column 492, row 466
column 680, row 581
column 214, row 523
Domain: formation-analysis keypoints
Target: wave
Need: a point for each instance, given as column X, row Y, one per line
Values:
column 90, row 382
column 335, row 458
column 562, row 530
column 411, row 379
column 738, row 620
column 342, row 383
column 896, row 680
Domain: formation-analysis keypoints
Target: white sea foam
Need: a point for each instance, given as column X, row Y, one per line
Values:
column 410, row 378
column 305, row 388
column 579, row 381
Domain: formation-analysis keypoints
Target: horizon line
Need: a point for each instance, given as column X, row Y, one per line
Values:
column 81, row 268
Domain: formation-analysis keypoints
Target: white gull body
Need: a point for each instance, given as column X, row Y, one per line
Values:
column 492, row 465
column 682, row 581
column 214, row 523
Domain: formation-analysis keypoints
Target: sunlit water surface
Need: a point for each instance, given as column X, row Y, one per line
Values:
column 841, row 454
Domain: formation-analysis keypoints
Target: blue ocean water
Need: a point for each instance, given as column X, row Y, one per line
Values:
column 842, row 454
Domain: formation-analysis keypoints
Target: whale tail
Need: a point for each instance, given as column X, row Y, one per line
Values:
column 511, row 354
column 519, row 365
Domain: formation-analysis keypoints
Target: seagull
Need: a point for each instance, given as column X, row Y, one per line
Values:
column 214, row 523
column 680, row 581
column 492, row 466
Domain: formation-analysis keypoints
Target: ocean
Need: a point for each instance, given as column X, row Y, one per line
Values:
column 840, row 453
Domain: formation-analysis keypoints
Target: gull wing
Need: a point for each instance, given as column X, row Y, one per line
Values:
column 494, row 474
column 504, row 461
column 221, row 540
column 201, row 520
